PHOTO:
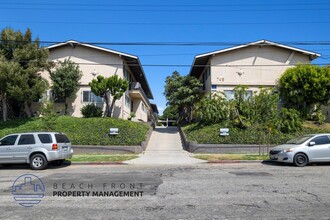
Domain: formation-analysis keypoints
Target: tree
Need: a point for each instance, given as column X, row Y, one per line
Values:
column 99, row 87
column 264, row 107
column 305, row 87
column 240, row 107
column 9, row 75
column 21, row 60
column 182, row 92
column 170, row 112
column 213, row 108
column 113, row 85
column 117, row 88
column 264, row 112
column 65, row 80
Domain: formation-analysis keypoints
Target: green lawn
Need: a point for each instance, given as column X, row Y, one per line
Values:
column 221, row 157
column 102, row 158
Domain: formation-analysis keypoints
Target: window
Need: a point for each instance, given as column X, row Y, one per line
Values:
column 10, row 140
column 45, row 138
column 230, row 94
column 144, row 108
column 127, row 75
column 61, row 138
column 55, row 97
column 26, row 139
column 89, row 96
column 249, row 94
column 127, row 102
column 321, row 140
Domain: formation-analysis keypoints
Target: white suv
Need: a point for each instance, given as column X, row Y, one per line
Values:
column 35, row 148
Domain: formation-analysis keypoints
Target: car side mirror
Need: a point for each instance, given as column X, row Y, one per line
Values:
column 311, row 144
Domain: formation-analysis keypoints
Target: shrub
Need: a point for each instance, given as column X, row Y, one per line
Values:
column 84, row 131
column 49, row 115
column 212, row 109
column 210, row 134
column 91, row 110
column 290, row 120
column 318, row 116
column 131, row 115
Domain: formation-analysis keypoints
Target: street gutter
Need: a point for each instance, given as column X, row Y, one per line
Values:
column 206, row 162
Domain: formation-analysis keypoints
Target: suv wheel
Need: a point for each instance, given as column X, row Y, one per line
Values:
column 38, row 162
column 300, row 160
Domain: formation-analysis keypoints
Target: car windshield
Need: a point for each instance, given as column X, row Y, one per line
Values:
column 299, row 140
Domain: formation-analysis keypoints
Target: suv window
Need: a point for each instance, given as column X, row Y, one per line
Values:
column 10, row 140
column 45, row 138
column 61, row 138
column 26, row 139
column 321, row 140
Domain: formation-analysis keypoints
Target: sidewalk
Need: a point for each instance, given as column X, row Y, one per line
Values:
column 165, row 147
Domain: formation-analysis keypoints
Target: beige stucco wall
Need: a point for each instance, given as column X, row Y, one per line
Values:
column 257, row 65
column 94, row 61
column 90, row 61
column 264, row 66
column 137, row 108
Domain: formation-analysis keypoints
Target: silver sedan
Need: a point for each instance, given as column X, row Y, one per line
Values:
column 303, row 150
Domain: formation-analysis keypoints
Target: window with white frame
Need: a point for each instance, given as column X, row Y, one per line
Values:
column 230, row 94
column 144, row 108
column 89, row 96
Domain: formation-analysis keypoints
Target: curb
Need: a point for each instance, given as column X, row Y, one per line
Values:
column 235, row 161
column 206, row 162
column 98, row 163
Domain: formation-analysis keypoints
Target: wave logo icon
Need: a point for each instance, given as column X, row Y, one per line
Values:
column 28, row 190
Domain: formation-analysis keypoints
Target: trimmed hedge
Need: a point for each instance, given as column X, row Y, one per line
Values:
column 84, row 131
column 210, row 134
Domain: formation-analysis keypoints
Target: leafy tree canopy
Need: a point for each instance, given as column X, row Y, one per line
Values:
column 305, row 86
column 113, row 85
column 182, row 92
column 65, row 80
column 170, row 112
column 22, row 59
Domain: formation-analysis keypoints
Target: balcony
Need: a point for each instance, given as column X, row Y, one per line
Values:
column 136, row 92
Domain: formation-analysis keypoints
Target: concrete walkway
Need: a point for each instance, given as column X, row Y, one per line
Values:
column 165, row 147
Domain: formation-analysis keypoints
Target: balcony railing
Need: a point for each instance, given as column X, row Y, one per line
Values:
column 136, row 91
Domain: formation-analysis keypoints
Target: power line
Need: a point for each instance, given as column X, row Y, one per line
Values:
column 162, row 5
column 218, row 43
column 189, row 65
column 165, row 10
column 166, row 23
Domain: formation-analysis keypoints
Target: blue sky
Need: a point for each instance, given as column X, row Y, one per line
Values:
column 147, row 21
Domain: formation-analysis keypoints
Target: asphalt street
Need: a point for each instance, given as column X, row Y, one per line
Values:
column 200, row 191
